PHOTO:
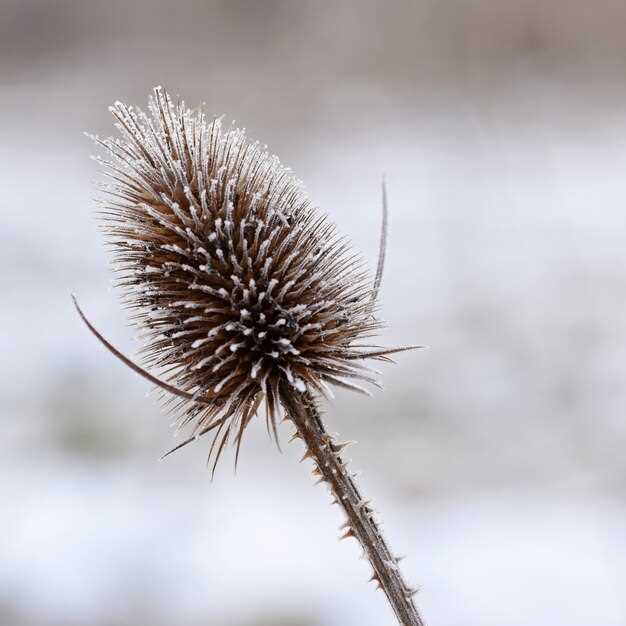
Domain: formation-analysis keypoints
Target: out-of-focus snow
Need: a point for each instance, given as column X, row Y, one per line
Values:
column 87, row 544
column 495, row 456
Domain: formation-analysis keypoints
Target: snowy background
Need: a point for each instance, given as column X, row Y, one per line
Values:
column 495, row 456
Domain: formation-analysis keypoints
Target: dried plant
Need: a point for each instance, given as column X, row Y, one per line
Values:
column 247, row 299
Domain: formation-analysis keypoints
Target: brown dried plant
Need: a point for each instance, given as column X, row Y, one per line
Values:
column 247, row 299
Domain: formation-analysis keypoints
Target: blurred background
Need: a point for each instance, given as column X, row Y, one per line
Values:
column 495, row 456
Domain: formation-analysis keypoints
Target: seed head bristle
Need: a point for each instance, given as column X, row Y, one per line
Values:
column 243, row 292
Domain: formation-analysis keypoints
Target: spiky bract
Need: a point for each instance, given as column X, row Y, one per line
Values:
column 243, row 291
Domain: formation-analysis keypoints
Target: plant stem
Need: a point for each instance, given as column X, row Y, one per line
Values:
column 360, row 520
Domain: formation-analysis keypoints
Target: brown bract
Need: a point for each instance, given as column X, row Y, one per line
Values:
column 244, row 294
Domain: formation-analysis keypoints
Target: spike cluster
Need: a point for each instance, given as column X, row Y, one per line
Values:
column 243, row 291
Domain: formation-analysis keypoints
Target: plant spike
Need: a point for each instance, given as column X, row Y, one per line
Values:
column 245, row 296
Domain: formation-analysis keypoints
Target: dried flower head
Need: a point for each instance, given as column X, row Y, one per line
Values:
column 243, row 292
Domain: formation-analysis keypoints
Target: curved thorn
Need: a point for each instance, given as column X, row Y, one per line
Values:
column 133, row 366
column 382, row 249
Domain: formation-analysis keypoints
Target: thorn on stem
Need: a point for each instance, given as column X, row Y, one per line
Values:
column 307, row 455
column 338, row 447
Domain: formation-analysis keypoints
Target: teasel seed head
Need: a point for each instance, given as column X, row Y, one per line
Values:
column 244, row 294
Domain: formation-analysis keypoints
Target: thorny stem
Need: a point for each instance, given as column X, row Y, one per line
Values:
column 360, row 523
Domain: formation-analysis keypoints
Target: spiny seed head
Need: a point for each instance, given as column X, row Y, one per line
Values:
column 243, row 292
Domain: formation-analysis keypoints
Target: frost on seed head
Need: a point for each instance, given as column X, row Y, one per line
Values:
column 243, row 291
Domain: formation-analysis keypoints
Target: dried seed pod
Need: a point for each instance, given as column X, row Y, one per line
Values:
column 243, row 292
